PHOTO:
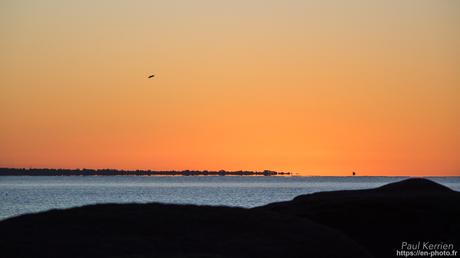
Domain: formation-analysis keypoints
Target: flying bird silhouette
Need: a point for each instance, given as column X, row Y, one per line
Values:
column 151, row 76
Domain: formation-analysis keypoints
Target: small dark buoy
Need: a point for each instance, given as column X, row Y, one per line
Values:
column 354, row 173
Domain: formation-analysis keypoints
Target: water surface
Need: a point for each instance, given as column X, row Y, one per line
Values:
column 26, row 194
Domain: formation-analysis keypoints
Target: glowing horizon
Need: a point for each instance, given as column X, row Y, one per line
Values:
column 310, row 87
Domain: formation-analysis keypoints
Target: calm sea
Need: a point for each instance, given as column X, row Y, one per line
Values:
column 26, row 194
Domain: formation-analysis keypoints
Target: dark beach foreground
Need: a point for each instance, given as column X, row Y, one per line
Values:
column 354, row 223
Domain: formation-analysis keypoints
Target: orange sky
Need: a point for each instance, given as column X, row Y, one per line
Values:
column 313, row 87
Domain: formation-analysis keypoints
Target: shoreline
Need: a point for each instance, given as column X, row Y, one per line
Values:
column 115, row 172
column 5, row 171
column 371, row 222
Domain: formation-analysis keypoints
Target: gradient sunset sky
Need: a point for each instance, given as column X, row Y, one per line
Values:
column 312, row 87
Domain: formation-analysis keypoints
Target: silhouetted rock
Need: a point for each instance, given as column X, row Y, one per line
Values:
column 359, row 223
column 415, row 186
column 160, row 230
column 380, row 219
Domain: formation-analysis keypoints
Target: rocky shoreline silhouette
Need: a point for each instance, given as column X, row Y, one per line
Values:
column 351, row 223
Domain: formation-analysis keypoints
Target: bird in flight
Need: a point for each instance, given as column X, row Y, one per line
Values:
column 151, row 76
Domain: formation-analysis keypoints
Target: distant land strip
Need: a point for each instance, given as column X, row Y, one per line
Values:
column 116, row 172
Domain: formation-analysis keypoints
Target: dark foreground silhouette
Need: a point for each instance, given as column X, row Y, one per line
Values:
column 381, row 219
column 358, row 223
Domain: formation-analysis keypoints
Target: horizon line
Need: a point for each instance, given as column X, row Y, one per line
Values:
column 256, row 172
